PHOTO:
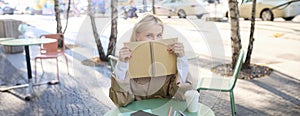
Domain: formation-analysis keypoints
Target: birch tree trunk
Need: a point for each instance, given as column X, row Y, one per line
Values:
column 246, row 64
column 57, row 16
column 96, row 36
column 67, row 16
column 114, row 28
column 153, row 6
column 235, row 30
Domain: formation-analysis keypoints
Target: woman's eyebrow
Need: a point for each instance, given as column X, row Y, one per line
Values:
column 150, row 34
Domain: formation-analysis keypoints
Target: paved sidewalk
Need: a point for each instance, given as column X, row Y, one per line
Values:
column 85, row 91
column 277, row 94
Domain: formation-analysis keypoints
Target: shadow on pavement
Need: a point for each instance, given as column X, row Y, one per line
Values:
column 279, row 84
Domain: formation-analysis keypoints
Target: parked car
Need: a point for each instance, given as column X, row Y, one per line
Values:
column 22, row 10
column 213, row 1
column 181, row 8
column 7, row 10
column 267, row 10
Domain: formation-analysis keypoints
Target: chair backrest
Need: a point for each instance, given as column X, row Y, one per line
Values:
column 60, row 40
column 112, row 62
column 237, row 69
column 49, row 48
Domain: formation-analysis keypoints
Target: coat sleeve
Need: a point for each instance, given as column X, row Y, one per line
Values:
column 178, row 89
column 120, row 92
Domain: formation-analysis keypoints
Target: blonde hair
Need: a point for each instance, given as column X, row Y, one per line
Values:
column 145, row 22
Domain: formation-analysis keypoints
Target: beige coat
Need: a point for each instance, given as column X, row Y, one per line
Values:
column 123, row 92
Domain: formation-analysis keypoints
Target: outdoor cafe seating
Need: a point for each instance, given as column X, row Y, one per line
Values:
column 52, row 51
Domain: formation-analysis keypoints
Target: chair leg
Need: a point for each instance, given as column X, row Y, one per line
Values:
column 67, row 64
column 42, row 66
column 233, row 112
column 57, row 69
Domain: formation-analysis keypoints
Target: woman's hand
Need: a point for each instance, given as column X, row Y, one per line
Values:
column 176, row 48
column 124, row 54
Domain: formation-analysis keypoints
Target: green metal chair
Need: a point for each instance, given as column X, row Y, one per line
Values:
column 112, row 62
column 223, row 84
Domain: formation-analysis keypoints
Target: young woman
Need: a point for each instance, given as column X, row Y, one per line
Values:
column 125, row 90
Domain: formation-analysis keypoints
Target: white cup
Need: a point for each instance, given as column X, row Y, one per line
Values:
column 192, row 97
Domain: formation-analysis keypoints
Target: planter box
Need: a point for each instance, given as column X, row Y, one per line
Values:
column 9, row 28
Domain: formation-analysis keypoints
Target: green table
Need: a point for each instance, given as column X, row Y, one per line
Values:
column 160, row 107
column 4, row 39
column 26, row 43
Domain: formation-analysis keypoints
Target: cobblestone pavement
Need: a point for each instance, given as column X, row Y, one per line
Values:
column 75, row 95
column 276, row 94
column 86, row 93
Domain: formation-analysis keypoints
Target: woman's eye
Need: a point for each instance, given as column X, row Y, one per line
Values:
column 149, row 35
column 159, row 35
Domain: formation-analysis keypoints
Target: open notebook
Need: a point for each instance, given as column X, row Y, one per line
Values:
column 151, row 58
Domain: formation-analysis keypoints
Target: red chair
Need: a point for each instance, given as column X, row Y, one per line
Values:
column 52, row 51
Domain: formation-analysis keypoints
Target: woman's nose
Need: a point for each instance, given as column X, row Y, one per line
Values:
column 155, row 38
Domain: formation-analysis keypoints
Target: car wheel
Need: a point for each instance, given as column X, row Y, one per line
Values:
column 267, row 15
column 181, row 14
column 246, row 19
column 288, row 18
column 199, row 16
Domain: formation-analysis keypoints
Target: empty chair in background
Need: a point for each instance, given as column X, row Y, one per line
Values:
column 52, row 51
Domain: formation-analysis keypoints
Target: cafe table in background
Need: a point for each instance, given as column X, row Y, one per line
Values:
column 26, row 42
